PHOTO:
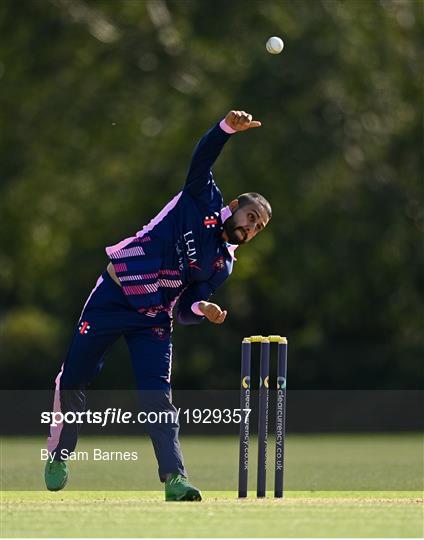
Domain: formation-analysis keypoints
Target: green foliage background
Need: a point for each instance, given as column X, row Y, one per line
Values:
column 101, row 103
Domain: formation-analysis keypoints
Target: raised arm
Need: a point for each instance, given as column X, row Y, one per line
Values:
column 210, row 146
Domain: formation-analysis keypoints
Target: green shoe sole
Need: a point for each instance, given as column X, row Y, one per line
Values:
column 57, row 487
column 190, row 495
column 56, row 476
column 178, row 488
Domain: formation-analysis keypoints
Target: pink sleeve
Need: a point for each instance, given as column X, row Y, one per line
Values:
column 225, row 127
column 195, row 309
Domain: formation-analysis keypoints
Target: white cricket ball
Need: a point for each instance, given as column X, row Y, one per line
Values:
column 274, row 45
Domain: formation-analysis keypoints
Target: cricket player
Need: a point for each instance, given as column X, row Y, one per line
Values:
column 177, row 260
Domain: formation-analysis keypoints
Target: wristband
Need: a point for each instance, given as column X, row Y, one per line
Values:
column 195, row 309
column 225, row 127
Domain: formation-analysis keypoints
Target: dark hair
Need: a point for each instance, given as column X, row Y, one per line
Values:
column 255, row 198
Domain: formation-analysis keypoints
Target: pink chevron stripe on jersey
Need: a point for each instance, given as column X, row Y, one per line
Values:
column 169, row 272
column 139, row 277
column 147, row 288
column 142, row 239
column 140, row 289
column 175, row 283
column 130, row 252
column 120, row 267
column 153, row 275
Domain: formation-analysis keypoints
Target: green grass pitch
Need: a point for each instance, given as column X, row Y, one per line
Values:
column 337, row 486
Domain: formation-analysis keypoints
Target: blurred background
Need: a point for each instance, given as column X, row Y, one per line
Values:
column 101, row 104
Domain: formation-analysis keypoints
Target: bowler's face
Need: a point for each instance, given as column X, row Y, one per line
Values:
column 245, row 223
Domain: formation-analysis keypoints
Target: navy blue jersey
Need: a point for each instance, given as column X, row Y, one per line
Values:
column 180, row 254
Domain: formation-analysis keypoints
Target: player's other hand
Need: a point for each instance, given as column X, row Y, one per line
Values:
column 212, row 312
column 241, row 120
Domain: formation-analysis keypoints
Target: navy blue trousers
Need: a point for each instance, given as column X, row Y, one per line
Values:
column 107, row 316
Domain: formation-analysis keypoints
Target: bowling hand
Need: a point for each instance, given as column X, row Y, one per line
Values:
column 212, row 312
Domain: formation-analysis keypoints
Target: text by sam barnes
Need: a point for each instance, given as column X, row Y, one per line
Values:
column 96, row 454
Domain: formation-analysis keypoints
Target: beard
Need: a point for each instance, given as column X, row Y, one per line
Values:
column 236, row 235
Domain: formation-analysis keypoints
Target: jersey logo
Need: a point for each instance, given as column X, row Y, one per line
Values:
column 191, row 250
column 219, row 263
column 159, row 332
column 83, row 328
column 211, row 221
